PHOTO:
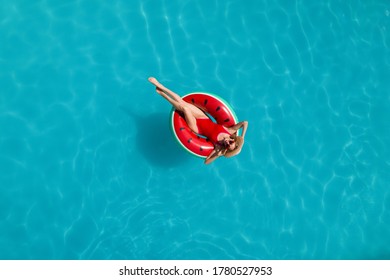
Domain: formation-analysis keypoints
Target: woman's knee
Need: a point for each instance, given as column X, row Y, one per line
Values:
column 184, row 107
column 186, row 110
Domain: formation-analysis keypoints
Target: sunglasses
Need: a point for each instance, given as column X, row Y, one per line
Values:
column 227, row 143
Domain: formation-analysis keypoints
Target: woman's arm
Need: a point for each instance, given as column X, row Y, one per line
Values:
column 237, row 126
column 216, row 153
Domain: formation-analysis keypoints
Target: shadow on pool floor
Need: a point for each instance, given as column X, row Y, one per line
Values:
column 155, row 140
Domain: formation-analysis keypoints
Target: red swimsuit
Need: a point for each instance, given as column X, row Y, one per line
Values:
column 210, row 129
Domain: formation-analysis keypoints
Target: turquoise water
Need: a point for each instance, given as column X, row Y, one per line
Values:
column 89, row 168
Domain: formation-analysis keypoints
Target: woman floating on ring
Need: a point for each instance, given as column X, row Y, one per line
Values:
column 225, row 139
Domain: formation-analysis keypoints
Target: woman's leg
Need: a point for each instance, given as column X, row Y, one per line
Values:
column 165, row 92
column 183, row 107
column 173, row 95
column 191, row 112
column 177, row 104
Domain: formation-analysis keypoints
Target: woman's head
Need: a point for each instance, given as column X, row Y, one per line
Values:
column 229, row 143
column 233, row 145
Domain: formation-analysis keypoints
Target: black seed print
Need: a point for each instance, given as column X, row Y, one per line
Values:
column 226, row 120
column 205, row 101
column 189, row 140
column 218, row 108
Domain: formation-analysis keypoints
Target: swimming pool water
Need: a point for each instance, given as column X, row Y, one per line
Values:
column 89, row 168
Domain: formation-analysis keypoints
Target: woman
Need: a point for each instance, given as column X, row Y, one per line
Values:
column 225, row 140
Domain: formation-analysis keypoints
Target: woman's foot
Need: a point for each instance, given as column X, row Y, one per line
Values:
column 153, row 81
column 157, row 84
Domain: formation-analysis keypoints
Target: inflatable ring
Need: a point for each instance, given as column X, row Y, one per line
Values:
column 212, row 105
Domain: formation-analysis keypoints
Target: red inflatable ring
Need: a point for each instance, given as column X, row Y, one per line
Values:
column 212, row 105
